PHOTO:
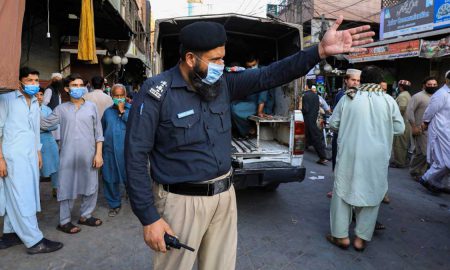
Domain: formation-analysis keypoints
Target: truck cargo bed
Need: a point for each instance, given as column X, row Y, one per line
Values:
column 247, row 147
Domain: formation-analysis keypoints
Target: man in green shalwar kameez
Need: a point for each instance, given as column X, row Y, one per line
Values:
column 401, row 142
column 367, row 120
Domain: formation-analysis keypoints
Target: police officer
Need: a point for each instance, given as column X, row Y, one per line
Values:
column 180, row 122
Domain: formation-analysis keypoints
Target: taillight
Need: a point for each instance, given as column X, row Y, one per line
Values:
column 299, row 137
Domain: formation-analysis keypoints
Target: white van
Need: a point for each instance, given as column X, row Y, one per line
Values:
column 275, row 155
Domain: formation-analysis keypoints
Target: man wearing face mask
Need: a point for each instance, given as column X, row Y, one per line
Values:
column 114, row 125
column 80, row 157
column 416, row 107
column 401, row 142
column 20, row 160
column 436, row 119
column 260, row 104
column 181, row 122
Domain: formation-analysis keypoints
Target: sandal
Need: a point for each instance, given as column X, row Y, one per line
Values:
column 379, row 226
column 335, row 241
column 68, row 228
column 330, row 194
column 92, row 221
column 362, row 248
column 113, row 212
column 322, row 162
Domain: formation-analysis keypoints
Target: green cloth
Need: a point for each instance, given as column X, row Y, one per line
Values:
column 366, row 124
column 341, row 218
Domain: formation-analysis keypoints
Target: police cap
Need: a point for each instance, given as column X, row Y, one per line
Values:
column 203, row 36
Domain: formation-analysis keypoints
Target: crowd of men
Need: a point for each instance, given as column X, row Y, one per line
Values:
column 402, row 137
column 409, row 149
column 64, row 133
column 181, row 123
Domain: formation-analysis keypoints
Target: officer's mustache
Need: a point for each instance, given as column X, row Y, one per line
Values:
column 205, row 91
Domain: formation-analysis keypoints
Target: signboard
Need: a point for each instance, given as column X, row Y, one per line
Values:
column 272, row 9
column 441, row 13
column 386, row 52
column 414, row 16
column 411, row 16
column 435, row 48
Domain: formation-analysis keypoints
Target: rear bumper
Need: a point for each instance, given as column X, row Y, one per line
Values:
column 260, row 174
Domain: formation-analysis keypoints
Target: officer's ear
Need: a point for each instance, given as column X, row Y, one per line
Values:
column 190, row 59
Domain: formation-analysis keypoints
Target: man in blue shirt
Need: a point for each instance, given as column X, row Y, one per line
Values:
column 20, row 161
column 114, row 122
column 260, row 104
column 181, row 122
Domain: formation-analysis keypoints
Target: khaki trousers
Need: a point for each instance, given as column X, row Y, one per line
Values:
column 400, row 148
column 341, row 218
column 206, row 223
column 419, row 163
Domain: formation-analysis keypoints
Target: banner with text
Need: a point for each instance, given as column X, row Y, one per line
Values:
column 387, row 52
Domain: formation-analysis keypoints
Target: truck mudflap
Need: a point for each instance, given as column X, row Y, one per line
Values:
column 270, row 173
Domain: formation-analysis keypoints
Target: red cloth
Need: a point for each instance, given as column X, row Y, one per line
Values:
column 11, row 17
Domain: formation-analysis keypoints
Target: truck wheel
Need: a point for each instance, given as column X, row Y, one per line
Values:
column 271, row 187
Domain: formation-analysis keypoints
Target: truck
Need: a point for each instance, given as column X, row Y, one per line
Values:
column 275, row 154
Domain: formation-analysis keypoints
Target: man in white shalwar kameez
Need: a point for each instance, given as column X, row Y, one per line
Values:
column 20, row 159
column 437, row 120
column 367, row 119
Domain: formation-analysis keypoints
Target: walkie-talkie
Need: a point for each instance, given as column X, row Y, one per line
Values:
column 172, row 241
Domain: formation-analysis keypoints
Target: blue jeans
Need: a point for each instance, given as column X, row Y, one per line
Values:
column 112, row 193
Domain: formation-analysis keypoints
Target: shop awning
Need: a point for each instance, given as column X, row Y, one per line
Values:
column 74, row 50
column 409, row 37
column 134, row 52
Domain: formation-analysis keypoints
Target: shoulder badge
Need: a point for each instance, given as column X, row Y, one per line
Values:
column 157, row 90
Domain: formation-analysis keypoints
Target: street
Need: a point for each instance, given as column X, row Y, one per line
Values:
column 284, row 229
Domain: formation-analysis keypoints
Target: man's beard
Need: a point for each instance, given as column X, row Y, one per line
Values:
column 205, row 91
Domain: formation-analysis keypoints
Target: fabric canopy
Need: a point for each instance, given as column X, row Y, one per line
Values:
column 86, row 43
column 11, row 17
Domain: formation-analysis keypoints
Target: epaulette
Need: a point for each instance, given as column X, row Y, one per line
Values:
column 158, row 89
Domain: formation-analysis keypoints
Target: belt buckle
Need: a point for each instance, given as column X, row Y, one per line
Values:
column 221, row 186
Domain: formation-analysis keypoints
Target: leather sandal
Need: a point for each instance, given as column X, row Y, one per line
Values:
column 92, row 221
column 68, row 228
column 335, row 241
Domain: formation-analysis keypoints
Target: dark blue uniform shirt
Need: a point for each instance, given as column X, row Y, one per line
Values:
column 187, row 139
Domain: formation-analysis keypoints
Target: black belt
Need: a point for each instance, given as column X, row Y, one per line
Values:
column 200, row 189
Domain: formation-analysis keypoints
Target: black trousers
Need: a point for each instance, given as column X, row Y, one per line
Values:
column 334, row 147
column 314, row 137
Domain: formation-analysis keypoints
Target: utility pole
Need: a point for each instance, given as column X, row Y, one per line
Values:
column 323, row 27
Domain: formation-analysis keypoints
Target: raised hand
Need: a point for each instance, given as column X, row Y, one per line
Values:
column 344, row 41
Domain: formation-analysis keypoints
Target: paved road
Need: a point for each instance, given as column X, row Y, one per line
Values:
column 281, row 230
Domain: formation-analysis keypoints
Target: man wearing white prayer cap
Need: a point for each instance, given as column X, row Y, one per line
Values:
column 51, row 95
column 351, row 79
